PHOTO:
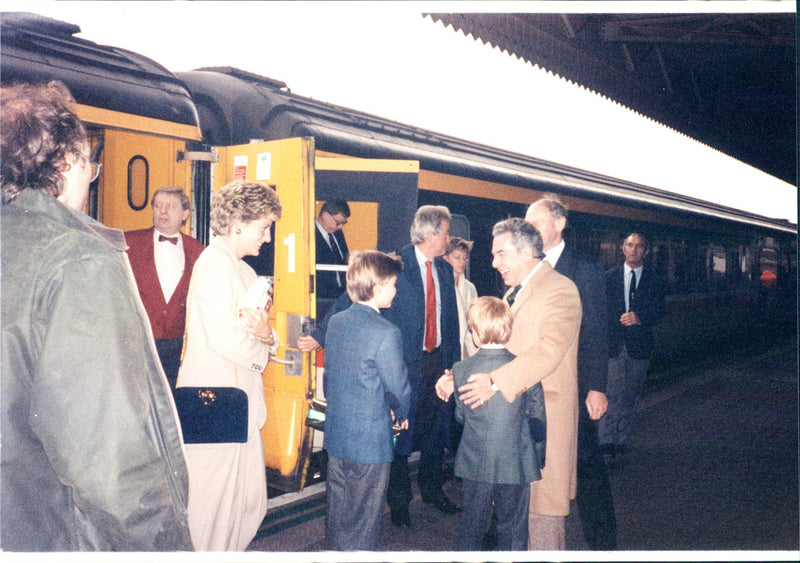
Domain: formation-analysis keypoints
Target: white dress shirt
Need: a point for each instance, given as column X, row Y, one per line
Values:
column 627, row 282
column 170, row 262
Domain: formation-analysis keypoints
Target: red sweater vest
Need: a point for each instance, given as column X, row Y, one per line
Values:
column 167, row 320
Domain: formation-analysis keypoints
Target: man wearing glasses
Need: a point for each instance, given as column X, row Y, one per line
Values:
column 331, row 248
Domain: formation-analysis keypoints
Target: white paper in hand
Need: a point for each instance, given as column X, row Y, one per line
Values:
column 260, row 293
column 258, row 296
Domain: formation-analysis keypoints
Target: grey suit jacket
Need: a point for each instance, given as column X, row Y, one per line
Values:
column 496, row 446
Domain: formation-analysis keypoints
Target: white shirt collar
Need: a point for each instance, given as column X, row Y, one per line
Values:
column 421, row 258
column 554, row 253
column 322, row 231
column 370, row 305
column 638, row 271
column 524, row 282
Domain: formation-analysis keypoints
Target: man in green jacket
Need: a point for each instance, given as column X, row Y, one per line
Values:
column 91, row 451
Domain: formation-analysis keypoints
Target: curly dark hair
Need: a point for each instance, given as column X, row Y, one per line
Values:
column 38, row 129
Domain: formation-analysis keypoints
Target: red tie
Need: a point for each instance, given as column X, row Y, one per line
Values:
column 430, row 311
column 173, row 240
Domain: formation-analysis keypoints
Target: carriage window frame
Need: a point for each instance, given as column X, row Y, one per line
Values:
column 131, row 163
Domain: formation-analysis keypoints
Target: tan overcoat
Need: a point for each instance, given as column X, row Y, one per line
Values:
column 547, row 319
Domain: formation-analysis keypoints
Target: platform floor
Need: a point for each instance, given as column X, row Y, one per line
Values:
column 710, row 471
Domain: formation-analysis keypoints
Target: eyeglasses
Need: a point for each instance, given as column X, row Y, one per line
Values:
column 339, row 222
column 96, row 166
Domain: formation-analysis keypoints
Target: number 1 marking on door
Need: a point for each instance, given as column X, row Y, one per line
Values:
column 289, row 242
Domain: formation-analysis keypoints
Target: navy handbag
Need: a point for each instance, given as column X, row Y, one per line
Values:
column 212, row 415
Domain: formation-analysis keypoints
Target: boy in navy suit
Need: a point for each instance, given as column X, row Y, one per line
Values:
column 502, row 447
column 366, row 387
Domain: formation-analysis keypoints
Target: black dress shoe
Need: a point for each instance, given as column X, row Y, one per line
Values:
column 401, row 518
column 443, row 503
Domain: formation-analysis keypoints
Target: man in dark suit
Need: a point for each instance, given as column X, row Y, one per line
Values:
column 331, row 247
column 425, row 311
column 594, row 499
column 635, row 304
column 162, row 258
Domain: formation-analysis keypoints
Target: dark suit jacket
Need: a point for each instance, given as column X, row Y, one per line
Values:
column 342, row 303
column 365, row 377
column 326, row 281
column 408, row 314
column 587, row 275
column 648, row 304
column 496, row 446
column 166, row 319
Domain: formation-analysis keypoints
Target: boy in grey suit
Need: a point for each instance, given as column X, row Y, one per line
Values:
column 366, row 387
column 502, row 447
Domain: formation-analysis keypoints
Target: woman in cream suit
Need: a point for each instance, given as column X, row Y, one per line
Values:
column 229, row 346
column 458, row 256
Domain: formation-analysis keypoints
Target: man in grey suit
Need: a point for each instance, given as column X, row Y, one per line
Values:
column 502, row 448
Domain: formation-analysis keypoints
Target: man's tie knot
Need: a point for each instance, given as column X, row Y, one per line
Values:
column 173, row 240
column 513, row 295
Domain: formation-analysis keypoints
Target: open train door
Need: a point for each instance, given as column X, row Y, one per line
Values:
column 286, row 166
column 382, row 195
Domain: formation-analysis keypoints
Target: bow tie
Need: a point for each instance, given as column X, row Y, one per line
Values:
column 173, row 240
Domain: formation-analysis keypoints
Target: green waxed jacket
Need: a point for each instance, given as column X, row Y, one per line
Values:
column 92, row 457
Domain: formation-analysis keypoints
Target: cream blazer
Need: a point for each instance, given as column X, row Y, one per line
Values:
column 227, row 482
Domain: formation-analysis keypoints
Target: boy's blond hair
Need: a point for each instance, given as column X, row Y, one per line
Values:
column 490, row 319
column 368, row 268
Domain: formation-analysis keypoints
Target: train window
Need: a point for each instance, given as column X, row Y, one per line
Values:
column 717, row 261
column 138, row 182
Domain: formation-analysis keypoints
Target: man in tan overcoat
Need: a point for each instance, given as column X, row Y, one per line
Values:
column 547, row 317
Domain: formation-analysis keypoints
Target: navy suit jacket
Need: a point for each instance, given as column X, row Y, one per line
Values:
column 496, row 446
column 408, row 314
column 327, row 287
column 365, row 377
column 593, row 340
column 648, row 304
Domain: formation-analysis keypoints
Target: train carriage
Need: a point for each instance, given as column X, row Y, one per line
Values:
column 204, row 128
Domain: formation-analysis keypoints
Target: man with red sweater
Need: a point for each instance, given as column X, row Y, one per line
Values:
column 162, row 259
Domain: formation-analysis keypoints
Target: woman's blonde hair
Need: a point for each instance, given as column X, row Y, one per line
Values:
column 368, row 268
column 490, row 319
column 243, row 201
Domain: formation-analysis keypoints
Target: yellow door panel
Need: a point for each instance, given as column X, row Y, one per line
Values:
column 360, row 232
column 134, row 166
column 285, row 165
